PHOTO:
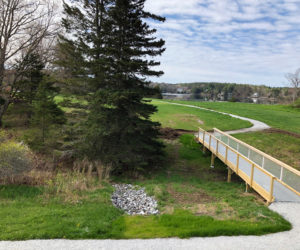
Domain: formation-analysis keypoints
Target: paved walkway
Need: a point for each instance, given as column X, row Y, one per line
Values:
column 257, row 125
column 280, row 241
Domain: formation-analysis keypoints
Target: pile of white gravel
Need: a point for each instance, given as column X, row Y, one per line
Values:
column 133, row 200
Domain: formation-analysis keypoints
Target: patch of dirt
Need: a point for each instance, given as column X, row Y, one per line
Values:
column 173, row 134
column 219, row 211
column 254, row 194
column 186, row 117
column 203, row 209
column 280, row 131
column 185, row 198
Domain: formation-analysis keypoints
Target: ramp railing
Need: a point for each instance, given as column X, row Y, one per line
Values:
column 271, row 178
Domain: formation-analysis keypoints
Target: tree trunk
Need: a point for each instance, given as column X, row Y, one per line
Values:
column 3, row 109
column 294, row 94
column 99, row 168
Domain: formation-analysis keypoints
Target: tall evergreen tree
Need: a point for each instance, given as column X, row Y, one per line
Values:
column 31, row 74
column 46, row 112
column 118, row 47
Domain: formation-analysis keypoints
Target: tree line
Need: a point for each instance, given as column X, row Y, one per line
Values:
column 212, row 91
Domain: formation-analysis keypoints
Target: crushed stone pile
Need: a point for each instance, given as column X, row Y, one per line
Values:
column 133, row 200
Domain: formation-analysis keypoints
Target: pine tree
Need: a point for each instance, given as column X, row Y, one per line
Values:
column 46, row 113
column 118, row 47
column 31, row 74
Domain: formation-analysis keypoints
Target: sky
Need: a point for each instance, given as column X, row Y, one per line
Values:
column 241, row 41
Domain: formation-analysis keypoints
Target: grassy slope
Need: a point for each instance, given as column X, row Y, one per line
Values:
column 222, row 208
column 180, row 117
column 283, row 147
column 277, row 116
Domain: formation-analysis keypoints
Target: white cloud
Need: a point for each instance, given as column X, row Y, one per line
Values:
column 248, row 41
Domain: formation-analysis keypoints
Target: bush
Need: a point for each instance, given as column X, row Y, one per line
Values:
column 296, row 104
column 14, row 159
column 3, row 136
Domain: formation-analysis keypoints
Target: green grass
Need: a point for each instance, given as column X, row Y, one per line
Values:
column 179, row 117
column 278, row 116
column 73, row 99
column 224, row 208
column 184, row 224
column 281, row 146
column 26, row 214
column 69, row 104
column 194, row 199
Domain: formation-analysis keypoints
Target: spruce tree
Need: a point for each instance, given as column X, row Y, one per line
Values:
column 31, row 73
column 119, row 59
column 46, row 112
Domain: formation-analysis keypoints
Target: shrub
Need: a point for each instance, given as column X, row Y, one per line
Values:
column 3, row 136
column 296, row 104
column 14, row 159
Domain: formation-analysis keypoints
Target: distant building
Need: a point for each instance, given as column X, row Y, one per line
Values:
column 221, row 96
column 255, row 97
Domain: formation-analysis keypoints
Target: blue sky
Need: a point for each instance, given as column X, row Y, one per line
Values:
column 243, row 41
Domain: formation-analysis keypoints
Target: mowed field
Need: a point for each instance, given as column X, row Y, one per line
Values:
column 180, row 117
column 277, row 116
column 283, row 142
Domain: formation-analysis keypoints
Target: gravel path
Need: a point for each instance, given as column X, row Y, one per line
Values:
column 257, row 125
column 286, row 240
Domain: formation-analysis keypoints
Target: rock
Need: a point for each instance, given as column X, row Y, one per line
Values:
column 133, row 201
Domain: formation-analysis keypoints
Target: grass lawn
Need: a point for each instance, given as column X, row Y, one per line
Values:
column 278, row 116
column 282, row 147
column 179, row 117
column 194, row 200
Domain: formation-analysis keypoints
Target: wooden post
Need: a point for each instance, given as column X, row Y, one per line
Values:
column 212, row 163
column 237, row 164
column 204, row 148
column 217, row 149
column 271, row 190
column 247, row 187
column 209, row 142
column 251, row 177
column 226, row 154
column 229, row 175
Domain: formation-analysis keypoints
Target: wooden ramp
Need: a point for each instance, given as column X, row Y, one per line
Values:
column 271, row 178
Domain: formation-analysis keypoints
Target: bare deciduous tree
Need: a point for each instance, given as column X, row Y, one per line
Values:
column 294, row 80
column 24, row 25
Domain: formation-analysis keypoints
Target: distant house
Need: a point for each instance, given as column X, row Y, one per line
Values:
column 221, row 96
column 255, row 97
column 179, row 90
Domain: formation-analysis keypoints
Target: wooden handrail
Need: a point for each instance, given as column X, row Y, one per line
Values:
column 253, row 164
column 280, row 163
